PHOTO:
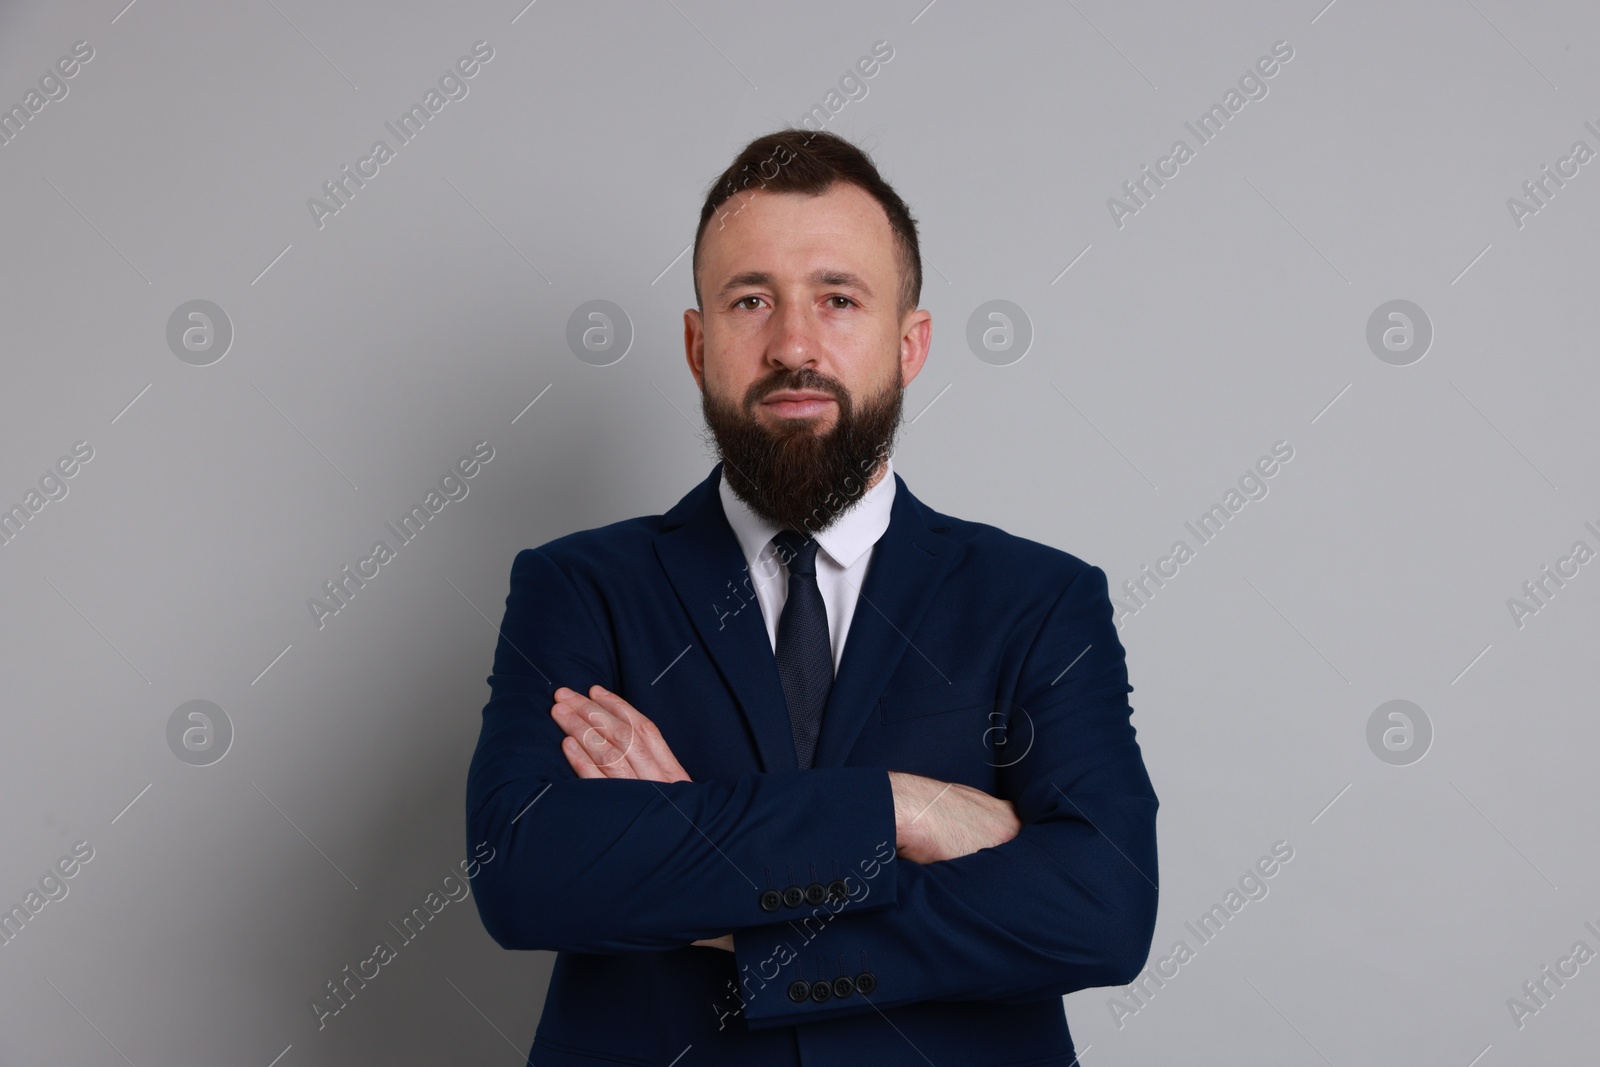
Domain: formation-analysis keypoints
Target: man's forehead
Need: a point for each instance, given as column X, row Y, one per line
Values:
column 844, row 221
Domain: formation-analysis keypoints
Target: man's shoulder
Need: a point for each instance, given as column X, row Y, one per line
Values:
column 988, row 549
column 600, row 546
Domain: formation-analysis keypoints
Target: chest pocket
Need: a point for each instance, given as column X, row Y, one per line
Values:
column 974, row 695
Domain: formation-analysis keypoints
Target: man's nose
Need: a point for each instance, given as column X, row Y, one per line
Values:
column 793, row 342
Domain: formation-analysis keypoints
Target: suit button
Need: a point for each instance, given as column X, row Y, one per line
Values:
column 843, row 986
column 794, row 896
column 838, row 890
column 821, row 991
column 866, row 982
column 771, row 900
column 816, row 893
column 799, row 990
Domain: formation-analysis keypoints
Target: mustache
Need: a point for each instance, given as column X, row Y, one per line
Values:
column 803, row 379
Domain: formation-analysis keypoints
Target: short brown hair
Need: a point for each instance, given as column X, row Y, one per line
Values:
column 812, row 162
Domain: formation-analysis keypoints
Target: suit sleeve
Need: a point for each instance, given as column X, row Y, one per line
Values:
column 616, row 866
column 1067, row 904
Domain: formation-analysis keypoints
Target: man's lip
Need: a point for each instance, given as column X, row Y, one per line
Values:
column 781, row 397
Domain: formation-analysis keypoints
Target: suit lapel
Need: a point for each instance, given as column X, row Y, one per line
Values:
column 698, row 550
column 908, row 568
column 703, row 561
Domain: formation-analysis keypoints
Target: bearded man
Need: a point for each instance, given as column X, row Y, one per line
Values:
column 803, row 770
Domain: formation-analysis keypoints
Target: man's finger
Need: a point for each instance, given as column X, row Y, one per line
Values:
column 630, row 733
column 622, row 722
column 647, row 749
column 580, row 763
column 588, row 729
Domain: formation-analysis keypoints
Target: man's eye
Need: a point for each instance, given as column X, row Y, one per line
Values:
column 846, row 299
column 740, row 303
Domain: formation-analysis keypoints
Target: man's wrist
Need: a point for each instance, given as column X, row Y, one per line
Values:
column 906, row 828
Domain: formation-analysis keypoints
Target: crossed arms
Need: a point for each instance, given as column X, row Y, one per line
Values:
column 607, row 846
column 606, row 737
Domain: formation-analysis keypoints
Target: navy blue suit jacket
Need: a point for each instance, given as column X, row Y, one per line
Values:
column 974, row 656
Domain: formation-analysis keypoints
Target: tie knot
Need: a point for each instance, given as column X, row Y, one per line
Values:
column 798, row 552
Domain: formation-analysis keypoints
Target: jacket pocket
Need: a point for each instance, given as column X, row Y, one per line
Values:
column 973, row 694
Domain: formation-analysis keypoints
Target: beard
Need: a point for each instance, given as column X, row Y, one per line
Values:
column 788, row 474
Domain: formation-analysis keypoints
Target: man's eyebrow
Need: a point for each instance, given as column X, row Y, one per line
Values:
column 823, row 276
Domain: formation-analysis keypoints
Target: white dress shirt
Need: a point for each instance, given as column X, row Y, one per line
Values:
column 845, row 552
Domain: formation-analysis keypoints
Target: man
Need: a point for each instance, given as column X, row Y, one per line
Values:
column 804, row 771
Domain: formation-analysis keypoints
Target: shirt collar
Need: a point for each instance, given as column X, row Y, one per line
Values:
column 856, row 529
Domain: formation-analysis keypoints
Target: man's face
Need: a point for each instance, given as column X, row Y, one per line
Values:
column 802, row 352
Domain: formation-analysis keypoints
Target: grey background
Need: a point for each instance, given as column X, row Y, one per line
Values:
column 369, row 354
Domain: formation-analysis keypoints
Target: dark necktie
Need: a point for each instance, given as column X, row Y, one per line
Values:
column 804, row 653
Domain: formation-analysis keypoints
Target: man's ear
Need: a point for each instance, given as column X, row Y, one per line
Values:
column 694, row 345
column 916, row 334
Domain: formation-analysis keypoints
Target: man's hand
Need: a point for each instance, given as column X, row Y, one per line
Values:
column 609, row 738
column 936, row 820
column 724, row 942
